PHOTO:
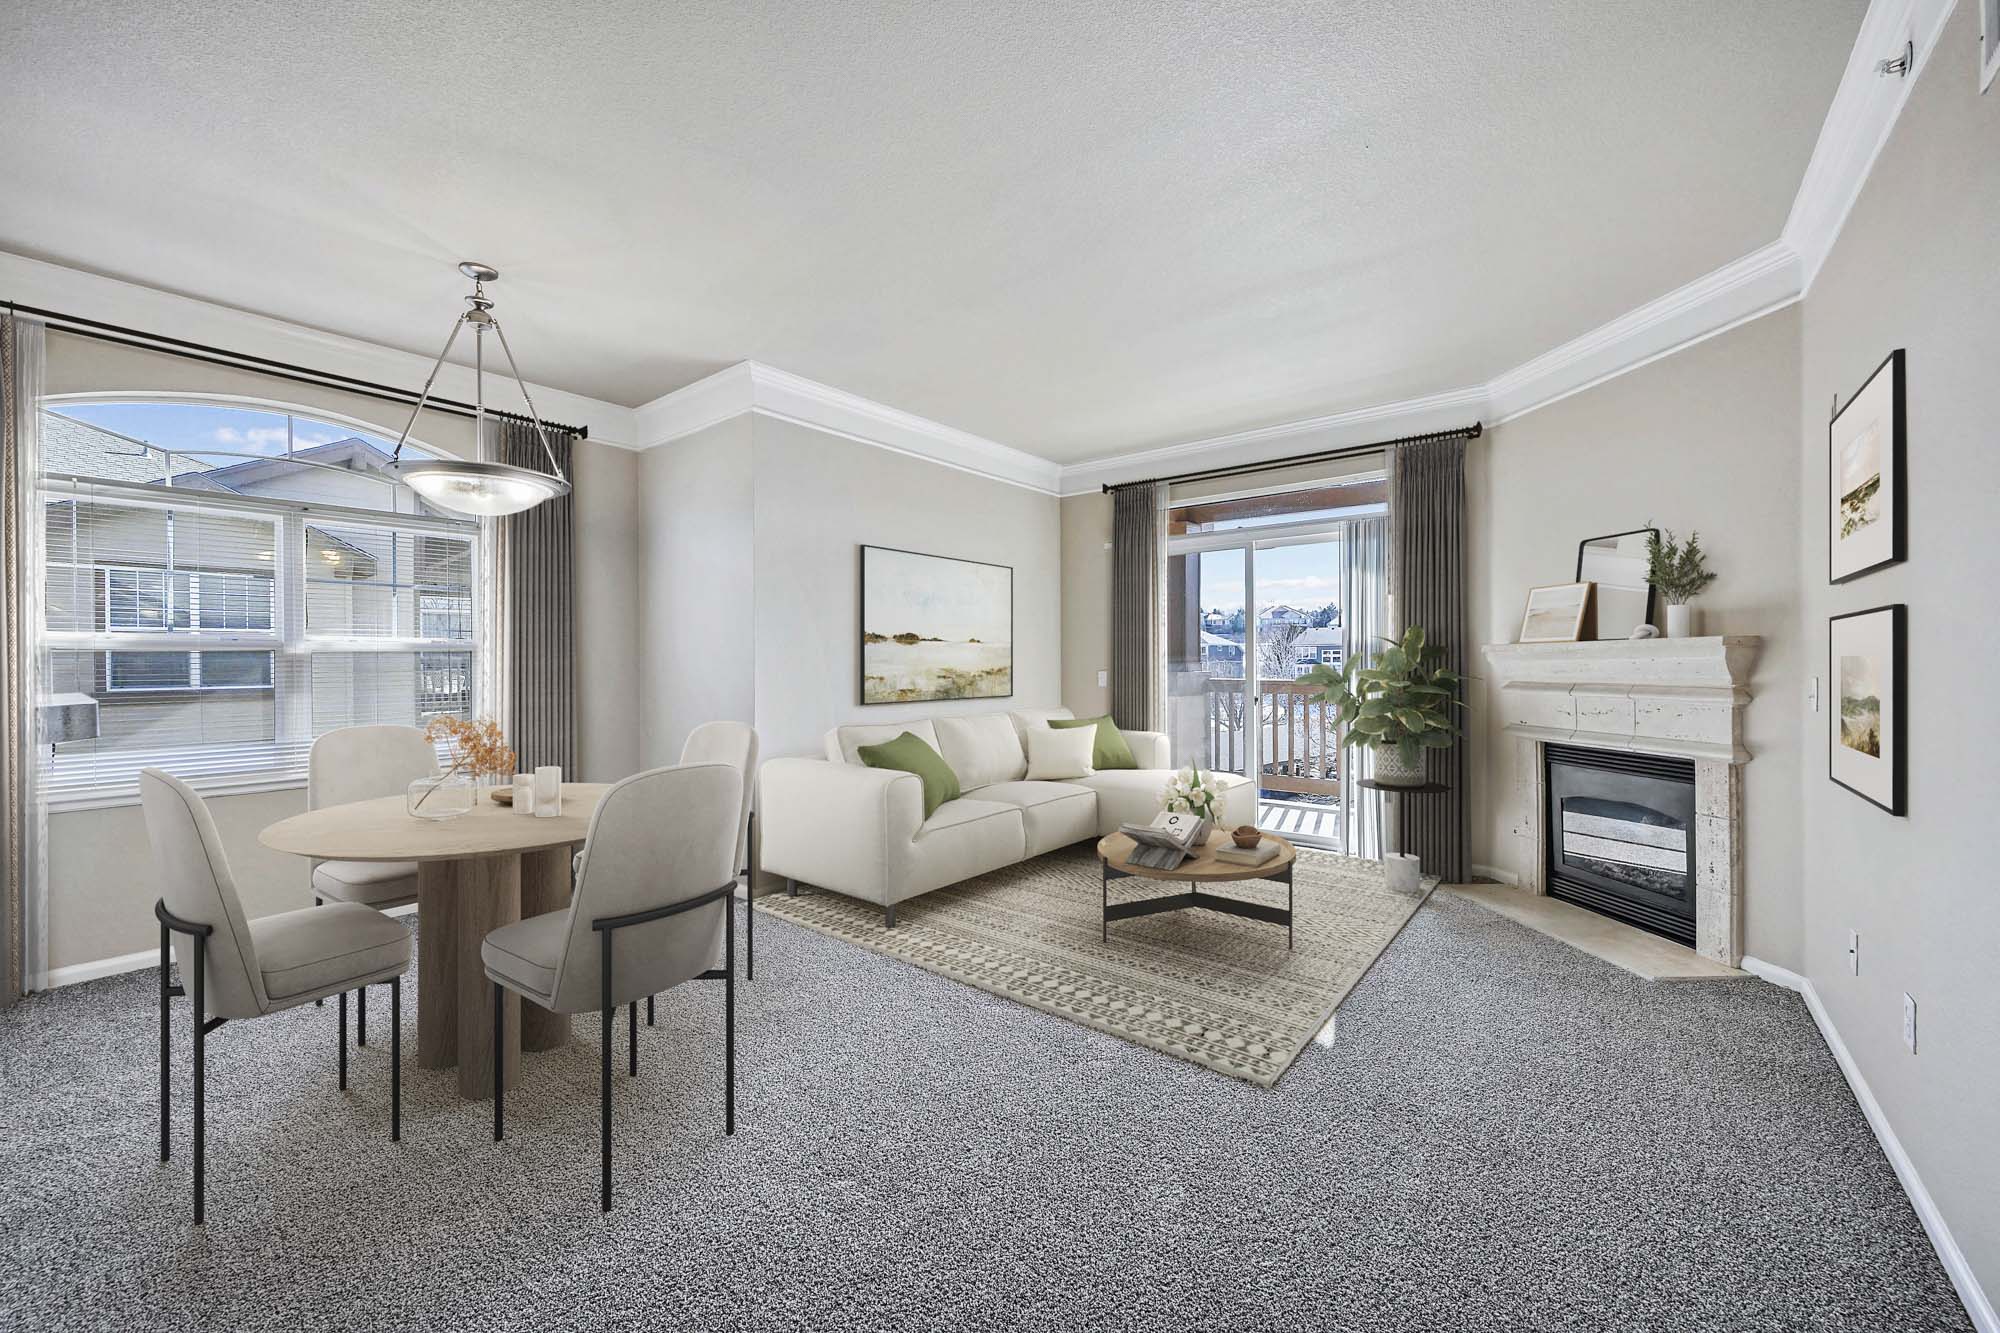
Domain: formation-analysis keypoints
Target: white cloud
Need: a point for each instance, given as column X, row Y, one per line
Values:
column 254, row 436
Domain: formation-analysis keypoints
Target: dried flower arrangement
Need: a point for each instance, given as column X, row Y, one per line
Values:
column 477, row 748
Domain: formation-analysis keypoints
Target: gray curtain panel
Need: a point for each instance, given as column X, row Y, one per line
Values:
column 1427, row 581
column 537, row 649
column 1135, row 606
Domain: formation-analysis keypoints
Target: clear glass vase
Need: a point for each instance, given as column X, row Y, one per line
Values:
column 440, row 798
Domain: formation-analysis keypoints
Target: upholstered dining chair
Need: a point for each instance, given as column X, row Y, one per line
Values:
column 735, row 744
column 241, row 969
column 651, row 910
column 362, row 764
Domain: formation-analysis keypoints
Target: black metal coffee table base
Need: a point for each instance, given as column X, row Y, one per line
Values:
column 1194, row 897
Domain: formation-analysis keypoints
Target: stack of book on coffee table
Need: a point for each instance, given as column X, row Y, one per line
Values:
column 1170, row 839
column 1265, row 851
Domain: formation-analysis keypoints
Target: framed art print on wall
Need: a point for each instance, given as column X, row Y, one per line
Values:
column 1864, row 745
column 1864, row 472
column 934, row 627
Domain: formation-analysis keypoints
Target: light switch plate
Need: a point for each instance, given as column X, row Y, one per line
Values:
column 1103, row 679
column 1854, row 952
column 1909, row 1023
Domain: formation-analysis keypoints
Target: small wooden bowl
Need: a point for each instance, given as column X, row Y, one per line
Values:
column 501, row 795
column 1246, row 836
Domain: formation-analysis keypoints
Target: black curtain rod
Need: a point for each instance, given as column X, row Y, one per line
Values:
column 263, row 365
column 1471, row 432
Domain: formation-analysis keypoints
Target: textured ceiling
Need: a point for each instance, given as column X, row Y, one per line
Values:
column 1076, row 228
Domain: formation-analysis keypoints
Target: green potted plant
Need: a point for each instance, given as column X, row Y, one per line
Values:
column 1399, row 707
column 1680, row 571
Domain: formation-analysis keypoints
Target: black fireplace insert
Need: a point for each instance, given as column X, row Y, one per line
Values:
column 1621, row 836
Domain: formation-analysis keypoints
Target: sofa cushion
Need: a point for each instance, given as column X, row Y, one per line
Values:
column 910, row 754
column 1109, row 747
column 1034, row 719
column 1132, row 795
column 966, row 837
column 981, row 748
column 1060, row 756
column 1053, row 814
column 843, row 743
column 316, row 950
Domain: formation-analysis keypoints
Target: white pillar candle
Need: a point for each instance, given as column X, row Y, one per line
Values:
column 524, row 793
column 548, row 791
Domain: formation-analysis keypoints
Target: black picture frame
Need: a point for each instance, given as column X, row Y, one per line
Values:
column 1897, row 704
column 1652, row 593
column 861, row 629
column 1895, row 464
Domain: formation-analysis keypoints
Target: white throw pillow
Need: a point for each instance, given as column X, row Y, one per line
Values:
column 1059, row 755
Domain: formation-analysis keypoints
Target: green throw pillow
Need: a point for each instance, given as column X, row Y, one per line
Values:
column 909, row 754
column 1112, row 749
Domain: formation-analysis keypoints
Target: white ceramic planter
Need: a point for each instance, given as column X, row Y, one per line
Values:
column 1680, row 620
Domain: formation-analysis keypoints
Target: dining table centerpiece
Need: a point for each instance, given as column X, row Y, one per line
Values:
column 477, row 752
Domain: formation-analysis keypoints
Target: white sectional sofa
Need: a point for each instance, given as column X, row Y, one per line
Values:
column 861, row 831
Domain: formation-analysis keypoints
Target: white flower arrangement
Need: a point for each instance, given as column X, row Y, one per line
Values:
column 1193, row 792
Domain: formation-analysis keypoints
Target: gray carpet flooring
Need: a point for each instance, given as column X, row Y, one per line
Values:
column 1505, row 1134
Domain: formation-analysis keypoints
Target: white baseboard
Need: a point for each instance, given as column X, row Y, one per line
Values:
column 1962, row 1278
column 77, row 973
column 1496, row 874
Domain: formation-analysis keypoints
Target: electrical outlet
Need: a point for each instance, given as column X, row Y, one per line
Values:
column 1909, row 1023
column 1854, row 952
column 1103, row 679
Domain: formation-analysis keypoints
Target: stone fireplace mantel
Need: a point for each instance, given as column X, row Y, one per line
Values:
column 1681, row 697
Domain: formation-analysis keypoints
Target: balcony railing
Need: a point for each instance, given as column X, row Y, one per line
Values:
column 1295, row 731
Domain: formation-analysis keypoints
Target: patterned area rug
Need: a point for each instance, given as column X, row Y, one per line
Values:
column 1217, row 990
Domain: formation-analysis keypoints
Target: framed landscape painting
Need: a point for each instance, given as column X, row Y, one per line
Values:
column 934, row 627
column 1864, row 744
column 1556, row 613
column 1864, row 529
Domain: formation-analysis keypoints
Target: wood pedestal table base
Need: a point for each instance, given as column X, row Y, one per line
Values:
column 475, row 873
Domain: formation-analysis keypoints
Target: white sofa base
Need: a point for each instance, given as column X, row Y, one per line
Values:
column 837, row 824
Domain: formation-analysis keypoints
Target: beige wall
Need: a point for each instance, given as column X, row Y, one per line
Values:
column 1705, row 439
column 1086, row 602
column 819, row 498
column 100, row 884
column 696, row 573
column 1914, row 268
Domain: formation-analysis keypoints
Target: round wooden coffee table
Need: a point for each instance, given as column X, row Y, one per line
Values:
column 1200, row 868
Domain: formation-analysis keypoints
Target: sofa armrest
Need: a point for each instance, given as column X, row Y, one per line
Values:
column 1150, row 749
column 841, row 826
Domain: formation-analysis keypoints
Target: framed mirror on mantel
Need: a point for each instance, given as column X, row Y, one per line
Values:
column 1616, row 563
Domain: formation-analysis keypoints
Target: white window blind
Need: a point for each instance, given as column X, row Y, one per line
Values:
column 221, row 631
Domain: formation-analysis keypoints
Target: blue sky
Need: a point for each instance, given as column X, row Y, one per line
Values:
column 1307, row 577
column 194, row 426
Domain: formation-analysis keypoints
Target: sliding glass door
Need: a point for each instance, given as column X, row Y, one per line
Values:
column 1251, row 607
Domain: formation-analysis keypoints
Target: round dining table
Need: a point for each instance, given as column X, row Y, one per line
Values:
column 479, row 871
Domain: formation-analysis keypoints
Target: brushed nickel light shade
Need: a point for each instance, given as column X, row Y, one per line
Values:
column 479, row 489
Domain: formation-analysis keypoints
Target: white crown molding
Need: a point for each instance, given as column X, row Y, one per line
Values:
column 1335, row 430
column 1963, row 1279
column 1858, row 123
column 751, row 386
column 35, row 282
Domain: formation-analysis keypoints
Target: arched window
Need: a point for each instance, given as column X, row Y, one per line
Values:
column 226, row 583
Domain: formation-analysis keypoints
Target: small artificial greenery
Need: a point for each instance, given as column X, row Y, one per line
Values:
column 1405, row 699
column 1678, row 571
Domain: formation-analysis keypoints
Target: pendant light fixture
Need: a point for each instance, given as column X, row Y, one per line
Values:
column 480, row 489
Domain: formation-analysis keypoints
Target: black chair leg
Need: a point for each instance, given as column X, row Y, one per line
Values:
column 729, row 1024
column 320, row 1003
column 632, row 1035
column 395, row 1059
column 343, row 1041
column 200, row 1084
column 750, row 899
column 361, row 1016
column 604, row 1137
column 166, row 1045
column 649, row 1011
column 499, row 1059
